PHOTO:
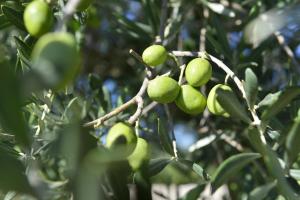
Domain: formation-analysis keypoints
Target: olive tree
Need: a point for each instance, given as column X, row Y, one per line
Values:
column 105, row 99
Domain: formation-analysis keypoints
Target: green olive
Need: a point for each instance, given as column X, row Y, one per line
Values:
column 198, row 72
column 84, row 4
column 140, row 155
column 212, row 103
column 38, row 18
column 122, row 135
column 56, row 59
column 163, row 89
column 154, row 55
column 190, row 100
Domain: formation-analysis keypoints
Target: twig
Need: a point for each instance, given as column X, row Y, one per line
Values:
column 149, row 107
column 170, row 121
column 238, row 82
column 287, row 50
column 97, row 122
column 139, row 110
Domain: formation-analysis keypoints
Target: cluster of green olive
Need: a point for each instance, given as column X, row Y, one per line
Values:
column 198, row 72
column 136, row 149
column 55, row 57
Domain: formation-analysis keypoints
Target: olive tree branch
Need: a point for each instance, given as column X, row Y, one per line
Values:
column 238, row 82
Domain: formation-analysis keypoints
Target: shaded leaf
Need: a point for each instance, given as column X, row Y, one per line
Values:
column 164, row 136
column 12, row 173
column 11, row 118
column 230, row 167
column 4, row 22
column 251, row 87
column 231, row 104
column 157, row 165
column 261, row 192
column 15, row 17
column 292, row 141
column 194, row 193
column 273, row 165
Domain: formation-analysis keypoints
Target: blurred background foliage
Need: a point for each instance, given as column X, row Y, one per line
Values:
column 46, row 154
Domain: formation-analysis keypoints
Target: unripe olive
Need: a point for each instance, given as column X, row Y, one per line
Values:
column 122, row 135
column 84, row 4
column 154, row 55
column 190, row 100
column 212, row 102
column 163, row 89
column 198, row 72
column 38, row 18
column 140, row 155
column 56, row 59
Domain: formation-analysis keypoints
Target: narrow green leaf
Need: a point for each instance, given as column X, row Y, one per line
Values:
column 11, row 118
column 269, row 99
column 204, row 177
column 23, row 48
column 251, row 87
column 283, row 100
column 4, row 22
column 261, row 192
column 157, row 165
column 230, row 167
column 15, row 17
column 12, row 173
column 164, row 137
column 292, row 142
column 273, row 165
column 231, row 104
column 194, row 193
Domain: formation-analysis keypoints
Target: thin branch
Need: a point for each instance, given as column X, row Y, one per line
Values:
column 149, row 107
column 287, row 50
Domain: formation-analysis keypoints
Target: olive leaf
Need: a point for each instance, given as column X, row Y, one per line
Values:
column 292, row 141
column 194, row 193
column 261, row 192
column 157, row 165
column 251, row 87
column 231, row 104
column 280, row 102
column 230, row 167
column 11, row 117
column 15, row 17
column 164, row 137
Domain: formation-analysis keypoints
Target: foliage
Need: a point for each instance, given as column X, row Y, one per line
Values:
column 53, row 139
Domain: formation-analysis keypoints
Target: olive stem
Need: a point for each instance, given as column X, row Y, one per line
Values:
column 182, row 68
column 238, row 82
